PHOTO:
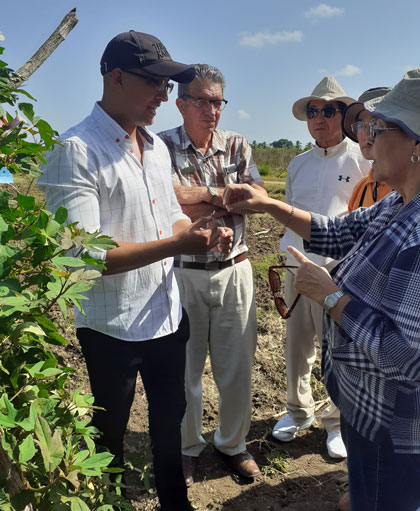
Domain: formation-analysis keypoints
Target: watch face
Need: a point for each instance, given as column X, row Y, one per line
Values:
column 212, row 191
column 330, row 301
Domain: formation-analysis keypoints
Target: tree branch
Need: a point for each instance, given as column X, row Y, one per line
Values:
column 57, row 37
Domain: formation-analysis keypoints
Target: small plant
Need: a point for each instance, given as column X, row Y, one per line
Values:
column 276, row 463
column 48, row 459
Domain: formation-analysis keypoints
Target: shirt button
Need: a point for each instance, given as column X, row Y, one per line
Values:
column 153, row 201
column 126, row 137
column 117, row 140
column 160, row 232
column 164, row 263
column 131, row 150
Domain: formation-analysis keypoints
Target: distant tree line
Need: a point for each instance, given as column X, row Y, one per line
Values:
column 282, row 143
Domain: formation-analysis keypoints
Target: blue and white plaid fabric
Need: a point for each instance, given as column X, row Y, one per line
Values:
column 371, row 361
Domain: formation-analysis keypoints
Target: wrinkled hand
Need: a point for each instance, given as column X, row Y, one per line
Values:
column 312, row 280
column 243, row 199
column 204, row 235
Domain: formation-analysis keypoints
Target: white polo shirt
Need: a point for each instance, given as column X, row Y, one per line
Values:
column 322, row 181
column 98, row 179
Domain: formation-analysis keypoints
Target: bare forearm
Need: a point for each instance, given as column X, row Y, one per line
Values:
column 299, row 221
column 131, row 255
column 195, row 211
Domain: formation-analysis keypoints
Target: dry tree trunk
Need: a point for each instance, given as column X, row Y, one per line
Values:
column 60, row 33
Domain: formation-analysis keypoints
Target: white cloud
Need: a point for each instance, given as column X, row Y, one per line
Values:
column 259, row 39
column 323, row 11
column 243, row 115
column 348, row 70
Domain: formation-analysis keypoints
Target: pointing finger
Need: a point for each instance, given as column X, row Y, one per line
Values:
column 300, row 258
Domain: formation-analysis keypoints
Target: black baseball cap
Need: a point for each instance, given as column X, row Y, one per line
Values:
column 136, row 49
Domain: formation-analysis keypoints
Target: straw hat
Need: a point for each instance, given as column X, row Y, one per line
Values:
column 352, row 112
column 401, row 105
column 327, row 89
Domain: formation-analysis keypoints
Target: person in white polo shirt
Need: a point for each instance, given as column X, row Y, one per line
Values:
column 319, row 180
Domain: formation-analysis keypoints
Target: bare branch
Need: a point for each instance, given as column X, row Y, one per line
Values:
column 60, row 33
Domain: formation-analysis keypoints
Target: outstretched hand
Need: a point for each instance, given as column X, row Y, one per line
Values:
column 243, row 199
column 312, row 280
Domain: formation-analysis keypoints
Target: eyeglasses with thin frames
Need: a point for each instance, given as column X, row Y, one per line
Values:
column 327, row 111
column 160, row 84
column 375, row 130
column 219, row 104
column 359, row 126
column 276, row 287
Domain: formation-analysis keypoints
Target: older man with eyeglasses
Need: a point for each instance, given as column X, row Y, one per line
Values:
column 319, row 180
column 216, row 290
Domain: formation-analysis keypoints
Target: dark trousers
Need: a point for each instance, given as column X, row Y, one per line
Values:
column 113, row 366
column 380, row 479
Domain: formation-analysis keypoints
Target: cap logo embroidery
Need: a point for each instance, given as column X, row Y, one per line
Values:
column 161, row 51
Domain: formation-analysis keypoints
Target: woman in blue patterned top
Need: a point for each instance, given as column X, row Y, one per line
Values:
column 371, row 340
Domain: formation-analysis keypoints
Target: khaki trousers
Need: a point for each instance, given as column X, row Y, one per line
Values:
column 221, row 309
column 304, row 324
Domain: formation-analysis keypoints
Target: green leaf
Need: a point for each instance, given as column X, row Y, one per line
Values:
column 25, row 201
column 52, row 449
column 26, row 449
column 27, row 109
column 63, row 261
column 78, row 504
column 61, row 215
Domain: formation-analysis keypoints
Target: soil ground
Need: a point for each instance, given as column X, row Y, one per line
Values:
column 296, row 476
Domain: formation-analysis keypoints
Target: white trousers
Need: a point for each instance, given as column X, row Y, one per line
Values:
column 304, row 324
column 221, row 309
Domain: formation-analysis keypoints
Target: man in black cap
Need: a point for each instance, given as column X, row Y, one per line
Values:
column 114, row 176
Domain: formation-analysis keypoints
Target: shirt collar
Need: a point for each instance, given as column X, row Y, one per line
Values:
column 218, row 141
column 332, row 151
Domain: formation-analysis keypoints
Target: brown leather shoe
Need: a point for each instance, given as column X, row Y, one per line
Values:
column 243, row 464
column 189, row 464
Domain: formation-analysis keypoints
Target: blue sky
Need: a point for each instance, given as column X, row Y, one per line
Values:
column 271, row 52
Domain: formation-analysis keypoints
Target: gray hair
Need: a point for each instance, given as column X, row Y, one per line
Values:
column 203, row 72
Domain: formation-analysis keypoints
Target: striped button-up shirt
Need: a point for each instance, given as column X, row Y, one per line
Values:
column 371, row 361
column 98, row 179
column 229, row 160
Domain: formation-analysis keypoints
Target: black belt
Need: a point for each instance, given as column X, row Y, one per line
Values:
column 211, row 265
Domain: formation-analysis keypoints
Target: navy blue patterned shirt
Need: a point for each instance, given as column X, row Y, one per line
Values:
column 371, row 361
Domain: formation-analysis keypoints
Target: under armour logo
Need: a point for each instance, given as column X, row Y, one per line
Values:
column 161, row 51
column 346, row 179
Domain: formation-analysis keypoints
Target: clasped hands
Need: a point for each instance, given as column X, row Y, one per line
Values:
column 204, row 235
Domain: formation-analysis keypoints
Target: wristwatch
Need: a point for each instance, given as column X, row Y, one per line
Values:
column 213, row 194
column 332, row 299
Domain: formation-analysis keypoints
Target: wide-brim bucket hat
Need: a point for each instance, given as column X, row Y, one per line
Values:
column 352, row 112
column 401, row 105
column 327, row 89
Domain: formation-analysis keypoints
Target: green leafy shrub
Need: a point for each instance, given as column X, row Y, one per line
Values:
column 48, row 459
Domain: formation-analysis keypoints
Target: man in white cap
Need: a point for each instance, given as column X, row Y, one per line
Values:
column 320, row 180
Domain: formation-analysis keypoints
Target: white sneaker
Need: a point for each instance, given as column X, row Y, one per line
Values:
column 335, row 445
column 286, row 430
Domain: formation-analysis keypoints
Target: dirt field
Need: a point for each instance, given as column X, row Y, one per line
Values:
column 297, row 476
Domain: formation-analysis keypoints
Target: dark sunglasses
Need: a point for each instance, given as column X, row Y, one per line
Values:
column 276, row 287
column 327, row 111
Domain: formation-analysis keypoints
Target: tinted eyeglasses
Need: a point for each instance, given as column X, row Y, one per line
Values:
column 160, row 84
column 327, row 111
column 219, row 104
column 276, row 286
column 374, row 130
